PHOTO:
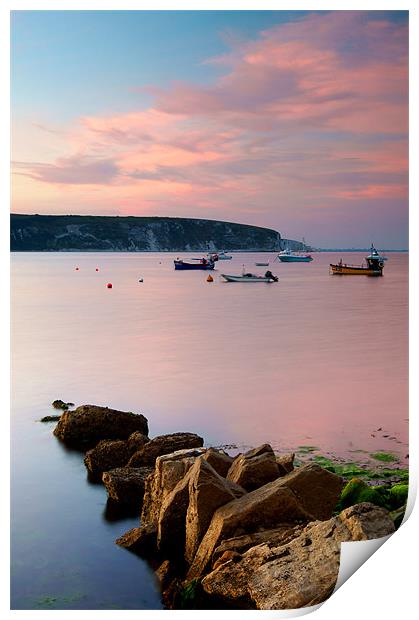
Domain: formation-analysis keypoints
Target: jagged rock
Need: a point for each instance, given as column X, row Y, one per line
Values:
column 303, row 571
column 164, row 444
column 125, row 485
column 229, row 580
column 87, row 425
column 317, row 489
column 50, row 418
column 272, row 538
column 365, row 521
column 285, row 463
column 169, row 469
column 207, row 492
column 264, row 508
column 186, row 512
column 254, row 468
column 136, row 441
column 108, row 454
column 164, row 574
column 171, row 523
column 219, row 460
column 140, row 540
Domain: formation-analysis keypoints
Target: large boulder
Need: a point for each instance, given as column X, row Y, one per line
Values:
column 87, row 425
column 125, row 485
column 299, row 573
column 169, row 469
column 171, row 522
column 272, row 538
column 164, row 444
column 207, row 492
column 186, row 512
column 136, row 441
column 219, row 460
column 317, row 489
column 107, row 455
column 254, row 468
column 264, row 508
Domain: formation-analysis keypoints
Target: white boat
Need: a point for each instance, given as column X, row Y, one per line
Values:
column 287, row 256
column 250, row 277
column 224, row 256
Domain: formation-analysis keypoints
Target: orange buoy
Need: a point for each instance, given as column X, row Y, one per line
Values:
column 210, row 278
column 109, row 285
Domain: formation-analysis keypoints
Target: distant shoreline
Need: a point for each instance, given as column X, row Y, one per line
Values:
column 102, row 251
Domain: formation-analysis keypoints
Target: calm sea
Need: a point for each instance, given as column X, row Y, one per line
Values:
column 314, row 360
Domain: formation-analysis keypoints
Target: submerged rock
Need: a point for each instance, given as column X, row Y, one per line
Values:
column 87, row 425
column 164, row 444
column 139, row 540
column 125, row 485
column 60, row 404
column 107, row 455
column 254, row 468
column 303, row 571
column 50, row 418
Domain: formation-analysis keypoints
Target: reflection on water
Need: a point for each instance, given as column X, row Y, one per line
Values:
column 315, row 359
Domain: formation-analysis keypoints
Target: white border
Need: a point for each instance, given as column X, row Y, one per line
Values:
column 385, row 587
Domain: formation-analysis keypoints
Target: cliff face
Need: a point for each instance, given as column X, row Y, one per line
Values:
column 130, row 234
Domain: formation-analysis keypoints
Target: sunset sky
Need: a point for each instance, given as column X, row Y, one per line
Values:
column 293, row 120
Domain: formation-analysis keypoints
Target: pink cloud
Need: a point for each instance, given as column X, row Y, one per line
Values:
column 311, row 114
column 74, row 170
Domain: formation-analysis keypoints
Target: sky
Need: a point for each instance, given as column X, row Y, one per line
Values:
column 293, row 120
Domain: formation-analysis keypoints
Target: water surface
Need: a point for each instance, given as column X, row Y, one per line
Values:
column 315, row 359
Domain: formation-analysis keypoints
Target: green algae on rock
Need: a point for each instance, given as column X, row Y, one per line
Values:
column 398, row 495
column 385, row 457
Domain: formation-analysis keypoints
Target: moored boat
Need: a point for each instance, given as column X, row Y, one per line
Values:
column 374, row 253
column 250, row 277
column 287, row 256
column 203, row 263
column 374, row 267
column 221, row 255
column 262, row 264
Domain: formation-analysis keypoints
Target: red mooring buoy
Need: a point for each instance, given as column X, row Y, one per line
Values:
column 97, row 269
column 109, row 285
column 77, row 268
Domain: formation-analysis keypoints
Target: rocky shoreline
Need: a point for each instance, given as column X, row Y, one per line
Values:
column 254, row 531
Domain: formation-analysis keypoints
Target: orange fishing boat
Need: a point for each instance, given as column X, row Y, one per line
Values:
column 374, row 267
